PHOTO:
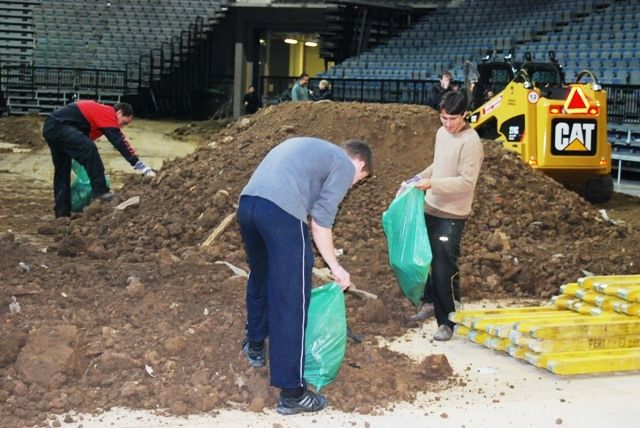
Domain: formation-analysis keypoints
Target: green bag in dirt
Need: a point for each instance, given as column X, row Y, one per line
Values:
column 408, row 242
column 81, row 193
column 326, row 335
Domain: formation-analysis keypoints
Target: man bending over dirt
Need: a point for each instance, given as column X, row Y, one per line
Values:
column 300, row 178
column 450, row 183
column 70, row 133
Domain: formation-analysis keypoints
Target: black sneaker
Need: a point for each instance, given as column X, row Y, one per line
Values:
column 255, row 358
column 309, row 402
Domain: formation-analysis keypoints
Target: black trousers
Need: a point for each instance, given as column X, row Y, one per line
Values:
column 67, row 143
column 443, row 284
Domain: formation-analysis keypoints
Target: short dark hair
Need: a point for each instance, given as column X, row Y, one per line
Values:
column 453, row 103
column 303, row 75
column 446, row 73
column 357, row 149
column 125, row 108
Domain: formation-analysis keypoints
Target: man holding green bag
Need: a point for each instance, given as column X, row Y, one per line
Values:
column 70, row 133
column 450, row 183
column 300, row 178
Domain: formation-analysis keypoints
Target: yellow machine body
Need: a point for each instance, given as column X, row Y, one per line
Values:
column 558, row 129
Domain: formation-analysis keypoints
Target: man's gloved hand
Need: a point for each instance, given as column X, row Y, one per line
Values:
column 408, row 183
column 143, row 169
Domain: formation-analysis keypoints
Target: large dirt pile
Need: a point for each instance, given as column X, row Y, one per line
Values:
column 127, row 308
column 22, row 130
column 527, row 233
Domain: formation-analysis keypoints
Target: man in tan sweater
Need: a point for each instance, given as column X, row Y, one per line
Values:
column 450, row 183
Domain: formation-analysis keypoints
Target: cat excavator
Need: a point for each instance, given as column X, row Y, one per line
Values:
column 557, row 128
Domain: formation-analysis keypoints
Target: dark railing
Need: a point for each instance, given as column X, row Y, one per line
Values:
column 275, row 89
column 64, row 79
column 175, row 81
column 623, row 100
column 623, row 103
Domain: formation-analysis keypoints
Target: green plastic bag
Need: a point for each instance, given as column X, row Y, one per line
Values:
column 81, row 193
column 408, row 243
column 326, row 335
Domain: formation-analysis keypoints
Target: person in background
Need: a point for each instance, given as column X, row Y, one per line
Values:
column 70, row 133
column 324, row 90
column 437, row 91
column 300, row 178
column 450, row 183
column 252, row 102
column 300, row 90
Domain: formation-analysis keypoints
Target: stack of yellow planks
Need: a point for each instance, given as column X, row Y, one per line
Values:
column 593, row 326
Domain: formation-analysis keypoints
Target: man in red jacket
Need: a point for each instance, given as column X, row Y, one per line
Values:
column 70, row 133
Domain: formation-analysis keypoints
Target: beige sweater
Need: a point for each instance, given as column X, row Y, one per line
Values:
column 453, row 173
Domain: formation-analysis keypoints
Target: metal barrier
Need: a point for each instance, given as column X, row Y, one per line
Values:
column 275, row 89
column 623, row 100
column 623, row 103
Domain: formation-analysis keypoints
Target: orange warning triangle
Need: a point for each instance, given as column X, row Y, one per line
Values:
column 576, row 101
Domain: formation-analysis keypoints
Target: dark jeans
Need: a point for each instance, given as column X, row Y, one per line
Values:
column 443, row 285
column 280, row 255
column 66, row 143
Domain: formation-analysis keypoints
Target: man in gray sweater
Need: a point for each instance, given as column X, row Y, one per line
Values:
column 300, row 178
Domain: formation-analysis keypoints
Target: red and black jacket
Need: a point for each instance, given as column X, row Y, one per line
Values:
column 94, row 120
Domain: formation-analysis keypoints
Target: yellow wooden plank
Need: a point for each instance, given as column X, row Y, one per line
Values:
column 606, row 302
column 629, row 294
column 584, row 343
column 589, row 327
column 594, row 361
column 481, row 323
column 627, row 308
column 497, row 343
column 588, row 296
column 517, row 351
column 461, row 330
column 587, row 281
column 570, row 288
column 478, row 336
column 458, row 317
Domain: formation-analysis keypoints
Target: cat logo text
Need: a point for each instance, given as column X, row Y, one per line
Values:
column 574, row 137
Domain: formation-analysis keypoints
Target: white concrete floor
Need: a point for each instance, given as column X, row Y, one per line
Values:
column 630, row 187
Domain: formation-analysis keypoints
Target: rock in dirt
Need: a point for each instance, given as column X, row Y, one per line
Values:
column 7, row 237
column 135, row 288
column 12, row 340
column 436, row 367
column 50, row 356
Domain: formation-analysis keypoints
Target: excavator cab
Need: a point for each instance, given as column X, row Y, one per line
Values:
column 558, row 128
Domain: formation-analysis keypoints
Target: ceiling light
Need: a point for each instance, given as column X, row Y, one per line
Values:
column 311, row 44
column 291, row 41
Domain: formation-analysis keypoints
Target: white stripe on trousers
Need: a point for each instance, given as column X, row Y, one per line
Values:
column 304, row 299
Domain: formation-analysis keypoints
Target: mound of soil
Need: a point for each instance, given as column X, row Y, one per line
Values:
column 25, row 131
column 128, row 308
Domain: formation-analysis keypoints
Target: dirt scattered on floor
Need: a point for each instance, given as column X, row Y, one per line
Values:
column 139, row 314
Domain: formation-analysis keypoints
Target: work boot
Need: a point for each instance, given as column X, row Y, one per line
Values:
column 107, row 197
column 308, row 402
column 443, row 333
column 254, row 357
column 426, row 311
